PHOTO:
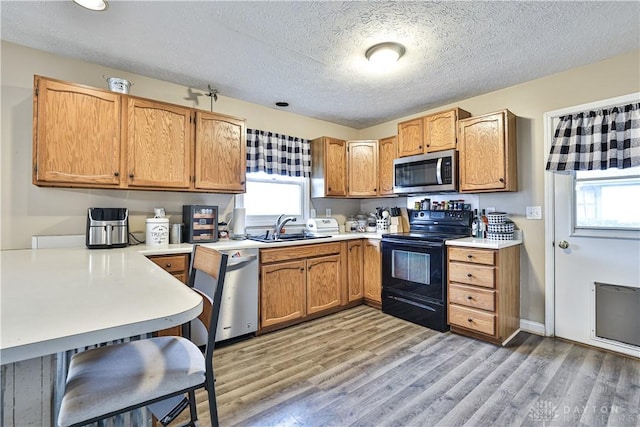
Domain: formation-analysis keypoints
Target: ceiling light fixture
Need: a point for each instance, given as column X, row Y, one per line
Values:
column 97, row 5
column 385, row 53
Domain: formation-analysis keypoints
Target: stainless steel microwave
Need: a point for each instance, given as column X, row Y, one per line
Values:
column 426, row 173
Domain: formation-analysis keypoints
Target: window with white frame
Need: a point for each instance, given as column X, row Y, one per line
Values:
column 269, row 196
column 607, row 199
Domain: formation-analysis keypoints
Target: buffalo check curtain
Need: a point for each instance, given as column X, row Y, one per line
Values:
column 597, row 140
column 278, row 154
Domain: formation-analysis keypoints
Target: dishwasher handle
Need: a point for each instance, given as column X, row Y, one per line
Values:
column 239, row 262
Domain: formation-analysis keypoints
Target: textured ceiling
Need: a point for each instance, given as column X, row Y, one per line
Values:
column 311, row 54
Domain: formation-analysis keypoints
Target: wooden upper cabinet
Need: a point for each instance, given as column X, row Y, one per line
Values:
column 158, row 144
column 410, row 134
column 428, row 134
column 329, row 167
column 362, row 168
column 76, row 135
column 487, row 160
column 441, row 129
column 220, row 153
column 387, row 153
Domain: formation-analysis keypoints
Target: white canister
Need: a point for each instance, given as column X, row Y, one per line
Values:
column 157, row 231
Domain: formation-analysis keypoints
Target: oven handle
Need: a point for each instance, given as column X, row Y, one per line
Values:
column 410, row 243
column 417, row 304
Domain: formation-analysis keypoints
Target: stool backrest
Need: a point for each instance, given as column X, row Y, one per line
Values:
column 214, row 265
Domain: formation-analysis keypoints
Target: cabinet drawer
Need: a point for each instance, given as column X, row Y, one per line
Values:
column 472, row 319
column 472, row 274
column 176, row 263
column 472, row 297
column 297, row 252
column 476, row 256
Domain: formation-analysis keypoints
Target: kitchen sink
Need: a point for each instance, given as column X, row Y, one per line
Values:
column 286, row 238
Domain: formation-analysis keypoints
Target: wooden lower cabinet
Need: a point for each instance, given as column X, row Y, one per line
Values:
column 282, row 292
column 177, row 266
column 484, row 292
column 355, row 268
column 372, row 273
column 324, row 283
column 299, row 281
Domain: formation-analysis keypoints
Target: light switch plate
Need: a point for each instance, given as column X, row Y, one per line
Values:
column 327, row 212
column 534, row 212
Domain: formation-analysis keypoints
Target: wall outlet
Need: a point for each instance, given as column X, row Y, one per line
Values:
column 313, row 213
column 327, row 212
column 534, row 212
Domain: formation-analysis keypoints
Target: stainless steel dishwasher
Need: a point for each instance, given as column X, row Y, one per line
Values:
column 239, row 307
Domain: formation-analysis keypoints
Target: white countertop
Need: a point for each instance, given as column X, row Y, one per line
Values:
column 59, row 299
column 473, row 242
column 54, row 300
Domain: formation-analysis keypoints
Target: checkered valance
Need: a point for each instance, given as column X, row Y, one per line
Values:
column 278, row 154
column 597, row 140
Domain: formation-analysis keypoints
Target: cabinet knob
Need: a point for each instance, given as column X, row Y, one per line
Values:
column 469, row 256
column 469, row 275
column 501, row 180
column 469, row 297
column 116, row 174
column 329, row 188
column 469, row 320
column 302, row 269
column 168, row 265
column 420, row 147
column 131, row 175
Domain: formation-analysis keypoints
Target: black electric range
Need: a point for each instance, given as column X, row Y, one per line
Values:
column 414, row 270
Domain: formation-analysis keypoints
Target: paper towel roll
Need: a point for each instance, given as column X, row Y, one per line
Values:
column 238, row 224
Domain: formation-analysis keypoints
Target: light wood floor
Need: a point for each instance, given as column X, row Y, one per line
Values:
column 361, row 367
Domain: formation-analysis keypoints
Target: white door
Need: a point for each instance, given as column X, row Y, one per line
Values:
column 585, row 261
column 578, row 257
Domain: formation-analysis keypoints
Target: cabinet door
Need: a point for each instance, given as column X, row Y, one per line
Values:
column 387, row 151
column 159, row 145
column 410, row 138
column 372, row 271
column 485, row 157
column 76, row 137
column 220, row 153
column 335, row 167
column 282, row 292
column 324, row 282
column 355, row 269
column 441, row 129
column 362, row 168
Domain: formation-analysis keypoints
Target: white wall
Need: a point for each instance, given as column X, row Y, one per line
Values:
column 26, row 209
column 529, row 101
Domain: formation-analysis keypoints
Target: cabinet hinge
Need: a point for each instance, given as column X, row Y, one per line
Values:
column 37, row 90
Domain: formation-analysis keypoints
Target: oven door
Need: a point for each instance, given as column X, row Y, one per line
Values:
column 414, row 268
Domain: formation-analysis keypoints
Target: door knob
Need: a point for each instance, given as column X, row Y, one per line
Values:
column 563, row 244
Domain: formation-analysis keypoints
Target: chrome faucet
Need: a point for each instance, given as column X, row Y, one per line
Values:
column 280, row 222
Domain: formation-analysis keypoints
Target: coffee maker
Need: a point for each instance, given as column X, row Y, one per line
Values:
column 107, row 228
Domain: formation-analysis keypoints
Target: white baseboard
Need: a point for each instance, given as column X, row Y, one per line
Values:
column 532, row 327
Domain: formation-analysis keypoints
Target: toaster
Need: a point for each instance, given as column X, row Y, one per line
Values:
column 107, row 228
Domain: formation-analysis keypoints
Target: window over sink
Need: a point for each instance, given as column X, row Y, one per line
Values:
column 267, row 196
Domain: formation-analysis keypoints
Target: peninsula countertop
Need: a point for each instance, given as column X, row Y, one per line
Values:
column 57, row 299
